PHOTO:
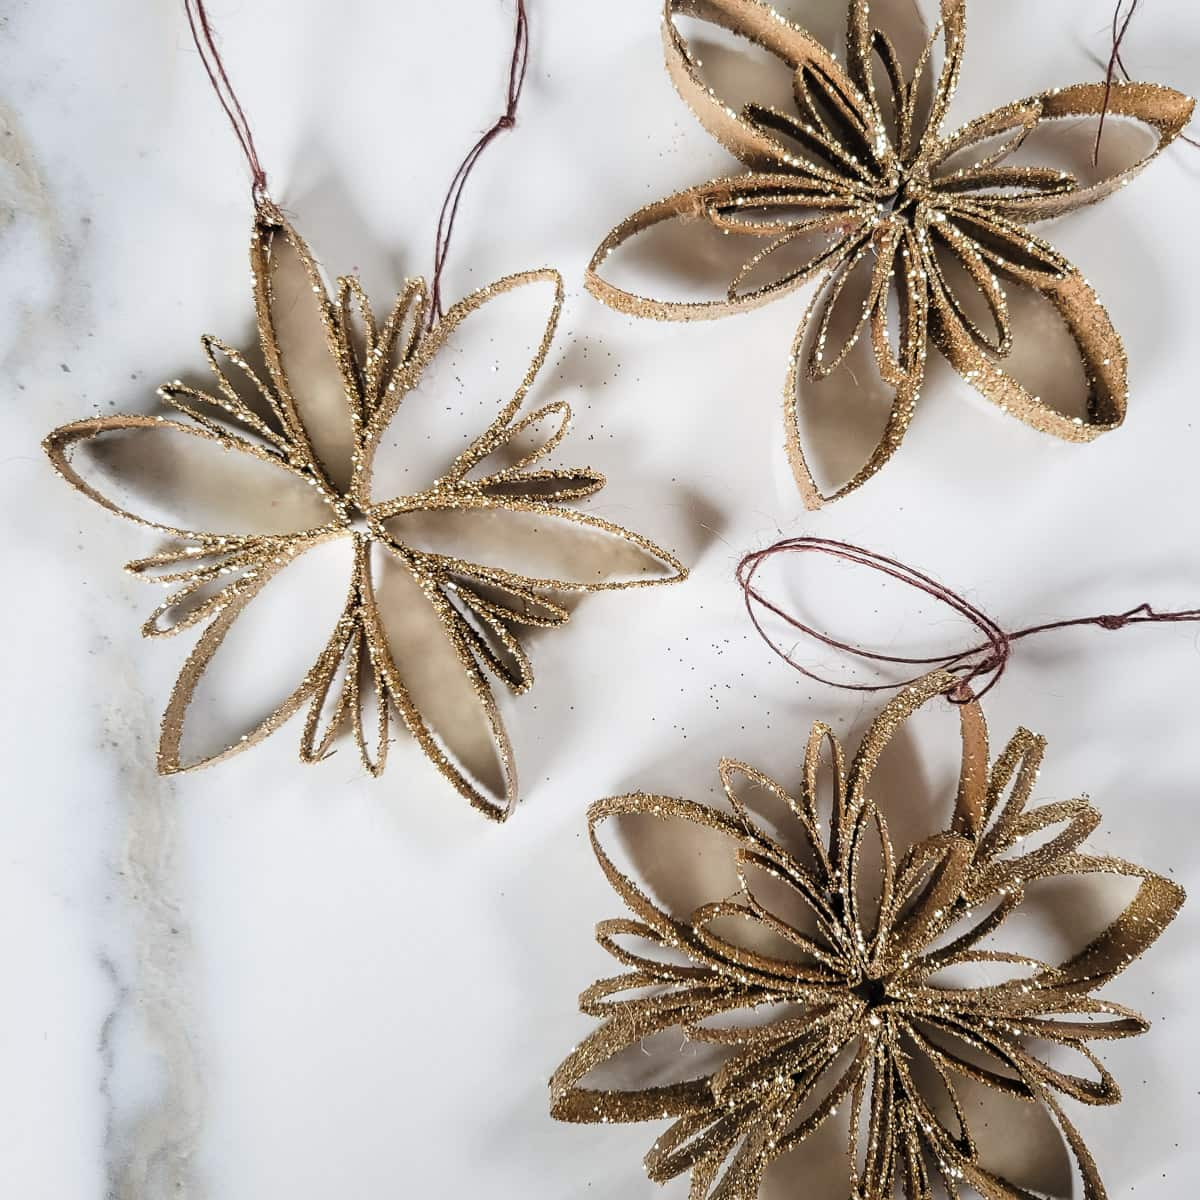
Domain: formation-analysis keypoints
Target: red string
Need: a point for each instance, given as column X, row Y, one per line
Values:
column 985, row 660
column 449, row 213
column 1119, row 30
column 1116, row 63
column 202, row 35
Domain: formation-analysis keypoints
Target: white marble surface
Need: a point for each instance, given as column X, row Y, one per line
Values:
column 266, row 980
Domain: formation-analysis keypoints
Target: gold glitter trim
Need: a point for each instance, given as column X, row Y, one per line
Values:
column 852, row 1010
column 880, row 179
column 478, row 607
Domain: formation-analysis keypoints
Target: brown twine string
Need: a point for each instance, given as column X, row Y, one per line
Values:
column 987, row 659
column 507, row 119
column 202, row 35
column 210, row 56
column 1116, row 63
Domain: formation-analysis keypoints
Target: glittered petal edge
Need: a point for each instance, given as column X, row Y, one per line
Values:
column 761, row 24
column 271, row 224
column 478, row 501
column 973, row 769
column 435, row 748
column 170, row 760
column 59, row 442
column 635, row 898
column 1160, row 108
column 905, row 378
column 1087, row 321
column 700, row 203
column 408, row 375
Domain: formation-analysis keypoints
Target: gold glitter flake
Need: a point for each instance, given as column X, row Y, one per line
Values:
column 861, row 172
column 477, row 606
column 849, row 1008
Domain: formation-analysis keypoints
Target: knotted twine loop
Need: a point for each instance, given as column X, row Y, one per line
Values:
column 210, row 56
column 518, row 65
column 202, row 35
column 986, row 660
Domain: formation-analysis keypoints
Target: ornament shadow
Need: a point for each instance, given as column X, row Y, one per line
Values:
column 545, row 739
column 344, row 240
column 685, row 865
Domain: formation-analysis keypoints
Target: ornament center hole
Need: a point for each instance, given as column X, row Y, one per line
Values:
column 899, row 202
column 873, row 992
column 356, row 522
column 907, row 192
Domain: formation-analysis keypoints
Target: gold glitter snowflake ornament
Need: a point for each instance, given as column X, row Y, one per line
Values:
column 846, row 978
column 316, row 452
column 912, row 234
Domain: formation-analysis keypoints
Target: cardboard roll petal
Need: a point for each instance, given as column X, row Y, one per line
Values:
column 854, row 979
column 860, row 165
column 273, row 467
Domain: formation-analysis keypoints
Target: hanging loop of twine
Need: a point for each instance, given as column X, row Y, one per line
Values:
column 986, row 660
column 210, row 56
column 206, row 44
column 518, row 65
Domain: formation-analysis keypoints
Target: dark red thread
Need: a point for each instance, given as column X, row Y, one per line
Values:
column 985, row 660
column 1119, row 30
column 202, row 35
column 449, row 213
column 1120, row 27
